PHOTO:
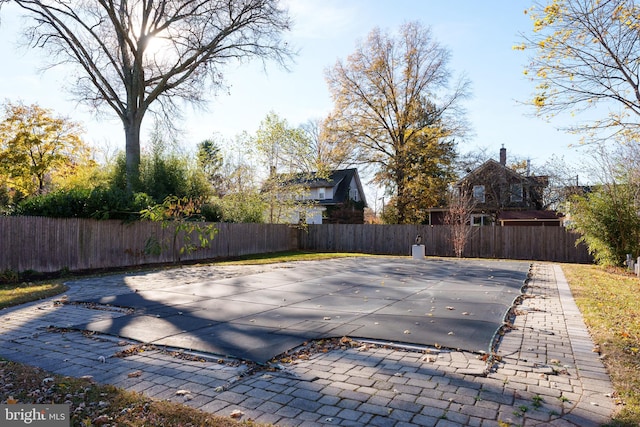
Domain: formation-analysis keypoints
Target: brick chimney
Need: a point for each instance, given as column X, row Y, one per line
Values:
column 503, row 156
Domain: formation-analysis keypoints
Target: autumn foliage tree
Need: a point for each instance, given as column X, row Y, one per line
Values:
column 584, row 55
column 35, row 146
column 138, row 56
column 395, row 109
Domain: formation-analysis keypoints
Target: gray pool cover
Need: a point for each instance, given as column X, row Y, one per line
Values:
column 457, row 304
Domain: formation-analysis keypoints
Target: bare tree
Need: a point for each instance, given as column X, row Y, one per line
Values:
column 585, row 55
column 564, row 181
column 458, row 218
column 327, row 154
column 134, row 53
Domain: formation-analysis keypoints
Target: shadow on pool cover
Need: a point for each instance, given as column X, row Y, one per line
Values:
column 457, row 304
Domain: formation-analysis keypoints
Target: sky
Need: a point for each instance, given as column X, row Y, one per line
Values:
column 479, row 35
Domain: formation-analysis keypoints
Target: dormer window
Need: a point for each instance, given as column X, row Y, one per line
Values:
column 516, row 192
column 478, row 193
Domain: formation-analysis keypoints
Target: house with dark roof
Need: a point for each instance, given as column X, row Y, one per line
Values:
column 338, row 198
column 502, row 196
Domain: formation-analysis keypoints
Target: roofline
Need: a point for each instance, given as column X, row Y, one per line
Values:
column 503, row 221
column 356, row 175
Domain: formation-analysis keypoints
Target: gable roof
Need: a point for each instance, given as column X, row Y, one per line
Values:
column 339, row 180
column 489, row 164
column 343, row 178
column 536, row 180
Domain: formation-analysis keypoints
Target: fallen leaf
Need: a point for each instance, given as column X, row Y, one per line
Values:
column 450, row 308
column 182, row 392
column 407, row 332
column 134, row 374
column 102, row 419
column 236, row 413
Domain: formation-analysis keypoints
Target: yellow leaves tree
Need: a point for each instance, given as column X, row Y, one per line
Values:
column 36, row 147
column 394, row 107
column 584, row 54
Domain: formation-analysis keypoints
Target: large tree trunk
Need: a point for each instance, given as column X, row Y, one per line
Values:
column 400, row 178
column 401, row 203
column 132, row 133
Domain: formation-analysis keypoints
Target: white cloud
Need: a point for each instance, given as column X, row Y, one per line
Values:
column 321, row 19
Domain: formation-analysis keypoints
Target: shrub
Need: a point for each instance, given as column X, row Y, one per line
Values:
column 609, row 223
column 163, row 175
column 211, row 212
column 99, row 203
column 58, row 204
column 242, row 208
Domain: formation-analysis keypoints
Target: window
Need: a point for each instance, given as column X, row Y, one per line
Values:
column 478, row 193
column 516, row 192
column 321, row 194
column 481, row 220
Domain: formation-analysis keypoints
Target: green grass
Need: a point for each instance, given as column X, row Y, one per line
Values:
column 14, row 294
column 275, row 257
column 609, row 300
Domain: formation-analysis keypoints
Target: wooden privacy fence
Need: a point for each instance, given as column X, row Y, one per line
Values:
column 52, row 244
column 531, row 243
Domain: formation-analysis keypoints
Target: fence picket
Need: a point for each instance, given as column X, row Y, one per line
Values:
column 51, row 244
